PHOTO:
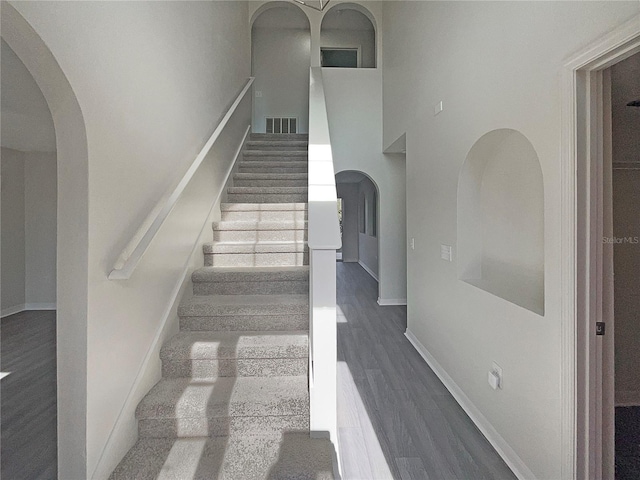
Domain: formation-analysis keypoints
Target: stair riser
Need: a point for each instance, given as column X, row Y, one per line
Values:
column 269, row 216
column 277, row 146
column 274, row 157
column 256, row 259
column 244, row 367
column 222, row 426
column 251, row 288
column 238, row 182
column 266, row 198
column 265, row 167
column 280, row 136
column 244, row 323
column 259, row 235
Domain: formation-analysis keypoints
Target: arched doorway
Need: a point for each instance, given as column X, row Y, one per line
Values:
column 72, row 237
column 280, row 60
column 360, row 218
column 348, row 37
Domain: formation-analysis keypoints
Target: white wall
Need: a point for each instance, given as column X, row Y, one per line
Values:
column 354, row 108
column 150, row 97
column 626, row 214
column 12, row 231
column 40, row 191
column 349, row 194
column 367, row 242
column 280, row 63
column 494, row 65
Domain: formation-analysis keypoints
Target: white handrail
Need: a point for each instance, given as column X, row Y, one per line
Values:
column 139, row 243
column 323, row 241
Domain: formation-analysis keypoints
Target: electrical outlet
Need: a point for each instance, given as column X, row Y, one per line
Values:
column 258, row 94
column 445, row 252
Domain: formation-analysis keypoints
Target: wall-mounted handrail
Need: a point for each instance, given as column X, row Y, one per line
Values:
column 323, row 241
column 139, row 243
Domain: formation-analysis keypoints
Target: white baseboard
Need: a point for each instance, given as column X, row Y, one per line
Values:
column 628, row 398
column 507, row 453
column 26, row 306
column 368, row 270
column 385, row 302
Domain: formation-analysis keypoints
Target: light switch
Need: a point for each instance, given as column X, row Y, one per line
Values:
column 413, row 244
column 438, row 108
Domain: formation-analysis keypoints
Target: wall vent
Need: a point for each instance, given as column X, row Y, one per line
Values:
column 282, row 125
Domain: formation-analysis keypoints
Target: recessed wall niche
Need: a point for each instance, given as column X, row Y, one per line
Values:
column 501, row 219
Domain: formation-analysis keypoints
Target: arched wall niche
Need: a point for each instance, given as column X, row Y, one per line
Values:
column 501, row 219
column 72, row 238
column 280, row 42
column 347, row 27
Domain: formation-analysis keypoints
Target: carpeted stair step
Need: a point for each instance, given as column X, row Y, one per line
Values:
column 263, row 211
column 270, row 179
column 275, row 155
column 292, row 456
column 209, row 355
column 299, row 145
column 255, row 254
column 185, row 407
column 260, row 231
column 275, row 137
column 250, row 281
column 268, row 166
column 267, row 197
column 245, row 313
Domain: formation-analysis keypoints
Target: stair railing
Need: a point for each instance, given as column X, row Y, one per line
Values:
column 139, row 243
column 323, row 241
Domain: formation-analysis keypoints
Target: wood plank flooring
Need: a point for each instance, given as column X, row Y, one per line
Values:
column 396, row 420
column 28, row 444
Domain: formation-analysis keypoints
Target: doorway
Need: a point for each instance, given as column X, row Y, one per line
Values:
column 588, row 263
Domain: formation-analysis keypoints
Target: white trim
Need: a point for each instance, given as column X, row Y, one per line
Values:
column 368, row 270
column 578, row 445
column 386, row 302
column 628, row 398
column 137, row 246
column 170, row 313
column 508, row 454
column 26, row 306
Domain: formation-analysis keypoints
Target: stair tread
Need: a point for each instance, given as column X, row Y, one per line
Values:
column 271, row 176
column 262, row 207
column 233, row 345
column 221, row 305
column 255, row 247
column 260, row 190
column 275, row 153
column 226, row 397
column 250, row 274
column 288, row 455
column 260, row 225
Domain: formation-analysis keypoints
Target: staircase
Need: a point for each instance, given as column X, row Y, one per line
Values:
column 233, row 401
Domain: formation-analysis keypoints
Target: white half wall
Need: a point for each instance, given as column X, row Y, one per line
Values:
column 493, row 65
column 150, row 96
column 354, row 107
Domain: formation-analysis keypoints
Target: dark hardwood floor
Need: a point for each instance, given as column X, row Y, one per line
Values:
column 627, row 443
column 395, row 418
column 28, row 443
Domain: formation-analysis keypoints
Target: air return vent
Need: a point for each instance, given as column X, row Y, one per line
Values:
column 282, row 125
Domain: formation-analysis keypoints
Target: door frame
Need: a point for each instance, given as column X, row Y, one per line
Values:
column 587, row 359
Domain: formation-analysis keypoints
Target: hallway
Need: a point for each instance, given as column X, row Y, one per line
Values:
column 395, row 418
